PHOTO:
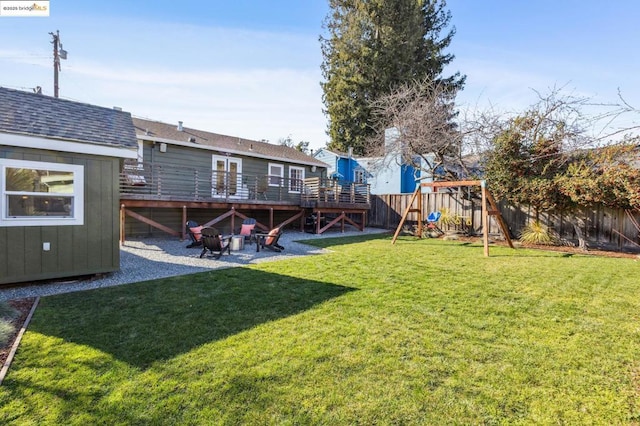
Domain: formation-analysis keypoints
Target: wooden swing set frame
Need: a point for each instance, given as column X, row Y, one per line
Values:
column 487, row 200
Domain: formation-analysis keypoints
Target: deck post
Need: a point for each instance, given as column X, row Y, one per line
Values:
column 183, row 234
column 271, row 218
column 233, row 221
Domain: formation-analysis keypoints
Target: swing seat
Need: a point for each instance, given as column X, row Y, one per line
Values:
column 431, row 222
column 433, row 217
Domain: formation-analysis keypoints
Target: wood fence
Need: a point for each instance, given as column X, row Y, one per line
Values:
column 602, row 227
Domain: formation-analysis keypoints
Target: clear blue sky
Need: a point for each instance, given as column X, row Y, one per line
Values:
column 252, row 68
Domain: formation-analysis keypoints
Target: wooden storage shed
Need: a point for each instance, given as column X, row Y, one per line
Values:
column 60, row 163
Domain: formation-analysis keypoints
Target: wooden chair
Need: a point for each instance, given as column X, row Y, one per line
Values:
column 214, row 243
column 248, row 230
column 263, row 186
column 270, row 240
column 195, row 233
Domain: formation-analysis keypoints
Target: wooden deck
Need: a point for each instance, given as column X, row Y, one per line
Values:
column 231, row 197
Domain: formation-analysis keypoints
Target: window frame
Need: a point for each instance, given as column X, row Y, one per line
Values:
column 77, row 216
column 280, row 178
column 292, row 179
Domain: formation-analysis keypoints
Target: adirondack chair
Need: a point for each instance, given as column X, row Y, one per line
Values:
column 214, row 243
column 195, row 234
column 248, row 230
column 270, row 240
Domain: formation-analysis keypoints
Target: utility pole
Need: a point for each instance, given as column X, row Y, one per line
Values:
column 57, row 55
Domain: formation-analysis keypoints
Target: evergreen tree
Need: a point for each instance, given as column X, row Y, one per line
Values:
column 373, row 46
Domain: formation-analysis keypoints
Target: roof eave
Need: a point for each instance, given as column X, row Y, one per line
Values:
column 26, row 140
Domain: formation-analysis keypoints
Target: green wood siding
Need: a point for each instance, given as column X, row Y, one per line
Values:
column 86, row 249
column 201, row 160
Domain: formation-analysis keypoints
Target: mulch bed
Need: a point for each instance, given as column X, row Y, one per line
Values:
column 23, row 306
column 592, row 252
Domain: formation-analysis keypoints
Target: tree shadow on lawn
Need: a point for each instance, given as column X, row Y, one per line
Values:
column 157, row 320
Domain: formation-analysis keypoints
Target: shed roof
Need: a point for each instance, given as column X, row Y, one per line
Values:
column 156, row 130
column 33, row 114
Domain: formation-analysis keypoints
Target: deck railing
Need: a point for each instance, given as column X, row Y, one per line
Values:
column 330, row 191
column 165, row 182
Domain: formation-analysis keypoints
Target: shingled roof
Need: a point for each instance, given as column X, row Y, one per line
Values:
column 32, row 114
column 155, row 130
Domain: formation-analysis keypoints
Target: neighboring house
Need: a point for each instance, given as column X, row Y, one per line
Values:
column 60, row 163
column 385, row 174
column 341, row 166
column 184, row 173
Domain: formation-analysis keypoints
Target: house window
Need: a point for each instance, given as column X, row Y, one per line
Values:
column 41, row 194
column 276, row 174
column 296, row 179
column 359, row 176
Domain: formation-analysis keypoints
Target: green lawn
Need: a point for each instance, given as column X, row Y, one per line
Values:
column 422, row 332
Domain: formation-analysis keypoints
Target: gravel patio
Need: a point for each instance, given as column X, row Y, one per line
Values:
column 153, row 258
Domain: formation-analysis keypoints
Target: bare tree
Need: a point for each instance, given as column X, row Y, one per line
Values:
column 582, row 122
column 418, row 121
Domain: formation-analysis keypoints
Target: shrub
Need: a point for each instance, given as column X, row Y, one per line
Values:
column 448, row 218
column 537, row 233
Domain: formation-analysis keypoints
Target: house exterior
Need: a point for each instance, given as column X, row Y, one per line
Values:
column 388, row 175
column 341, row 166
column 182, row 173
column 60, row 164
column 384, row 174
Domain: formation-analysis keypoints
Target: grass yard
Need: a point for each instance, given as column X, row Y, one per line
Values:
column 423, row 332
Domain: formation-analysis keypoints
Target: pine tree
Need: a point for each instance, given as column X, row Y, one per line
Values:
column 373, row 46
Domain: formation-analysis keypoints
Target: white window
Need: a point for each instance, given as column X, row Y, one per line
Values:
column 359, row 176
column 276, row 174
column 35, row 193
column 296, row 179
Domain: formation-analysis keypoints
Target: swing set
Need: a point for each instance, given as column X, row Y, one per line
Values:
column 487, row 201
